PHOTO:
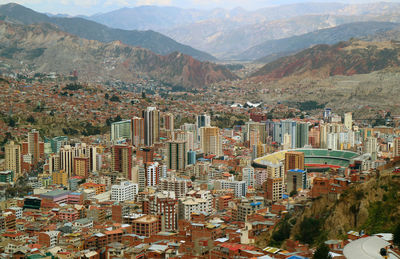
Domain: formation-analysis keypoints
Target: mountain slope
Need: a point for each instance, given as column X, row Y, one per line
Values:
column 44, row 48
column 344, row 58
column 151, row 40
column 165, row 17
column 325, row 36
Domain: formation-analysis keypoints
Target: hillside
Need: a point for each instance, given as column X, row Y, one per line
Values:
column 344, row 58
column 276, row 48
column 371, row 206
column 83, row 28
column 44, row 48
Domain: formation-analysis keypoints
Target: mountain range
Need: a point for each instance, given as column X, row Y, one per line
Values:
column 228, row 33
column 273, row 49
column 344, row 58
column 45, row 48
column 90, row 30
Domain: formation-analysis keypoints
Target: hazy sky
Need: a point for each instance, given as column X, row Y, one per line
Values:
column 87, row 7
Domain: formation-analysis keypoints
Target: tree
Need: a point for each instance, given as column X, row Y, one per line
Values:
column 143, row 95
column 396, row 235
column 114, row 98
column 11, row 122
column 193, row 178
column 309, row 230
column 322, row 252
column 107, row 96
column 281, row 234
column 31, row 119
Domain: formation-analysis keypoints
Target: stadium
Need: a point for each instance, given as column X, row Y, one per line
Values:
column 322, row 159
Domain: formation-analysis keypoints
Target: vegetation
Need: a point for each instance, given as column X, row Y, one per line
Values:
column 310, row 229
column 115, row 98
column 73, row 87
column 281, row 233
column 31, row 119
column 310, row 105
column 322, row 252
column 396, row 235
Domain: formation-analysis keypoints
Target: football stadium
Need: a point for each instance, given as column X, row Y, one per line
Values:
column 313, row 158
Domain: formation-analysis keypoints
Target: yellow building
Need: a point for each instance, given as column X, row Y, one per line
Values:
column 60, row 178
column 13, row 159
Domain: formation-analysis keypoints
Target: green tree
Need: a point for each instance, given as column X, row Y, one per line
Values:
column 107, row 96
column 31, row 119
column 281, row 234
column 309, row 230
column 396, row 235
column 115, row 98
column 322, row 252
column 193, row 178
column 11, row 122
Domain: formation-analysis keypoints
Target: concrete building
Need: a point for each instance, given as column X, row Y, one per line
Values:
column 396, row 147
column 296, row 179
column 137, row 132
column 120, row 130
column 294, row 160
column 13, row 159
column 151, row 118
column 348, row 120
column 126, row 191
column 121, row 160
column 152, row 174
column 211, row 141
column 176, row 155
column 178, row 187
column 248, row 176
column 189, row 205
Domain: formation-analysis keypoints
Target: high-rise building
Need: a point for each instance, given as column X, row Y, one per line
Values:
column 57, row 142
column 137, row 131
column 151, row 118
column 67, row 154
column 211, row 141
column 285, row 127
column 332, row 141
column 152, row 174
column 371, row 147
column 203, row 120
column 191, row 157
column 239, row 187
column 81, row 166
column 248, row 176
column 255, row 132
column 301, row 134
column 348, row 120
column 60, row 178
column 168, row 122
column 121, row 160
column 145, row 153
column 296, row 179
column 274, row 189
column 178, row 187
column 396, row 147
column 33, row 145
column 13, row 159
column 54, row 163
column 126, row 191
column 176, row 155
column 121, row 130
column 327, row 114
column 294, row 160
column 164, row 204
